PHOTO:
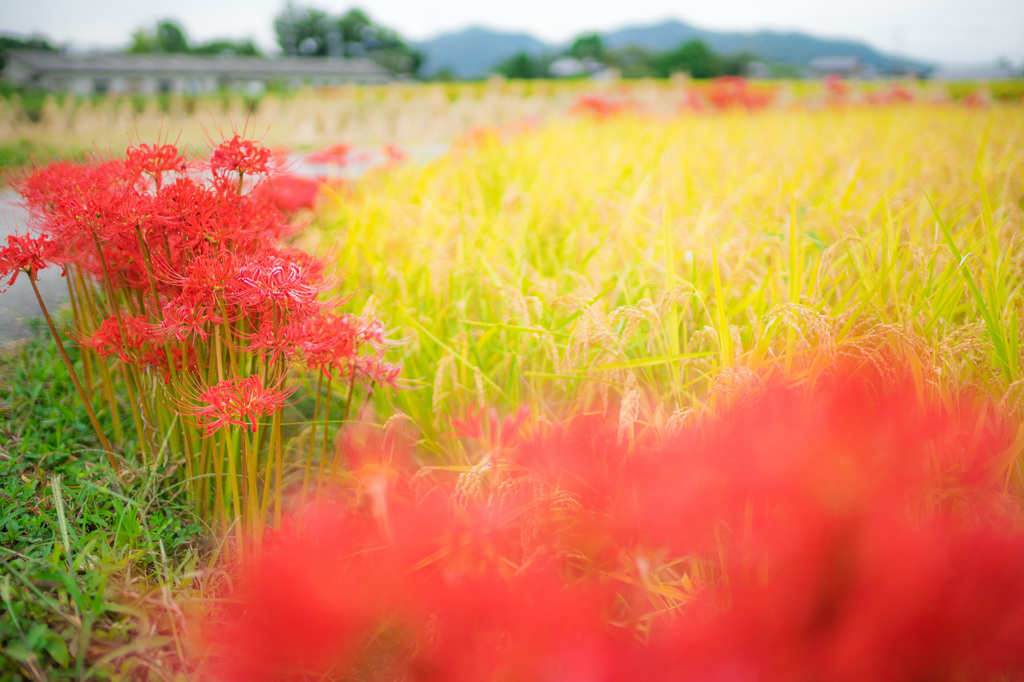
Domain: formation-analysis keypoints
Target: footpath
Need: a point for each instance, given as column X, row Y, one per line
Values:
column 18, row 305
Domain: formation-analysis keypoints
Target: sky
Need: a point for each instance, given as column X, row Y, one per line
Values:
column 944, row 31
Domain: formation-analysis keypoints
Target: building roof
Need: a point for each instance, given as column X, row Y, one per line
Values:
column 835, row 63
column 974, row 72
column 219, row 65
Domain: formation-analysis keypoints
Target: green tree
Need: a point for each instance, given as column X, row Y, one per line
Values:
column 9, row 42
column 521, row 65
column 632, row 61
column 167, row 37
column 302, row 31
column 244, row 48
column 355, row 29
column 170, row 37
column 143, row 42
column 588, row 46
column 694, row 57
column 311, row 33
column 736, row 64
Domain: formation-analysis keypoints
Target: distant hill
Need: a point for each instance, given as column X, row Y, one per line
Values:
column 472, row 52
column 771, row 46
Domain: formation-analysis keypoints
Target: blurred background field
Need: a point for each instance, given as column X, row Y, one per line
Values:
column 35, row 124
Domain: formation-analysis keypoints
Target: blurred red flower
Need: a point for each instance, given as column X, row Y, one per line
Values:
column 842, row 532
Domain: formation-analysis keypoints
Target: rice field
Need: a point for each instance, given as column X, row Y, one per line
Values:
column 624, row 385
column 594, row 259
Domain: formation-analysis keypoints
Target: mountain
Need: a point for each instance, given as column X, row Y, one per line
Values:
column 770, row 46
column 472, row 52
column 667, row 35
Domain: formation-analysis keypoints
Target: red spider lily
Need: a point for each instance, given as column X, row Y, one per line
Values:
column 204, row 288
column 339, row 154
column 844, row 532
column 370, row 369
column 281, row 340
column 836, row 89
column 182, row 358
column 290, row 193
column 239, row 400
column 394, row 154
column 893, row 94
column 486, row 426
column 692, row 102
column 71, row 200
column 329, row 339
column 205, row 277
column 154, row 160
column 26, row 254
column 600, row 106
column 121, row 334
column 440, row 614
column 241, row 156
column 87, row 208
column 978, row 99
column 203, row 254
column 731, row 92
column 189, row 317
column 272, row 277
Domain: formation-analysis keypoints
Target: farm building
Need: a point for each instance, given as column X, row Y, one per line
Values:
column 97, row 74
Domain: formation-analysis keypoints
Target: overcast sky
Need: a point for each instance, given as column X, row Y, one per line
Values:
column 951, row 31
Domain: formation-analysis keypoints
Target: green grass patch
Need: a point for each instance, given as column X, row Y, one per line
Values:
column 87, row 561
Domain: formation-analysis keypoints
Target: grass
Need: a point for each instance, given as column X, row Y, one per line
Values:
column 22, row 153
column 87, row 562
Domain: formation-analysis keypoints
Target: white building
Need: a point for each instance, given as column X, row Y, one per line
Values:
column 975, row 72
column 162, row 73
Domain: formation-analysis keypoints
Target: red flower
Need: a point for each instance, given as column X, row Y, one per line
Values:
column 394, row 154
column 843, row 533
column 330, row 339
column 154, row 160
column 492, row 430
column 338, row 154
column 348, row 346
column 291, row 280
column 289, row 193
column 238, row 155
column 282, row 340
column 732, row 91
column 189, row 316
column 239, row 400
column 26, row 254
column 600, row 106
column 371, row 369
column 157, row 359
column 121, row 335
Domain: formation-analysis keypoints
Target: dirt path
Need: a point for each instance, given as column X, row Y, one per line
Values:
column 18, row 305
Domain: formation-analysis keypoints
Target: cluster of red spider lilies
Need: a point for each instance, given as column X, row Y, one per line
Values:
column 843, row 532
column 188, row 299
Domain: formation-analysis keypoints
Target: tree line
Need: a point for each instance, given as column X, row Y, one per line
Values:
column 693, row 57
column 300, row 32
